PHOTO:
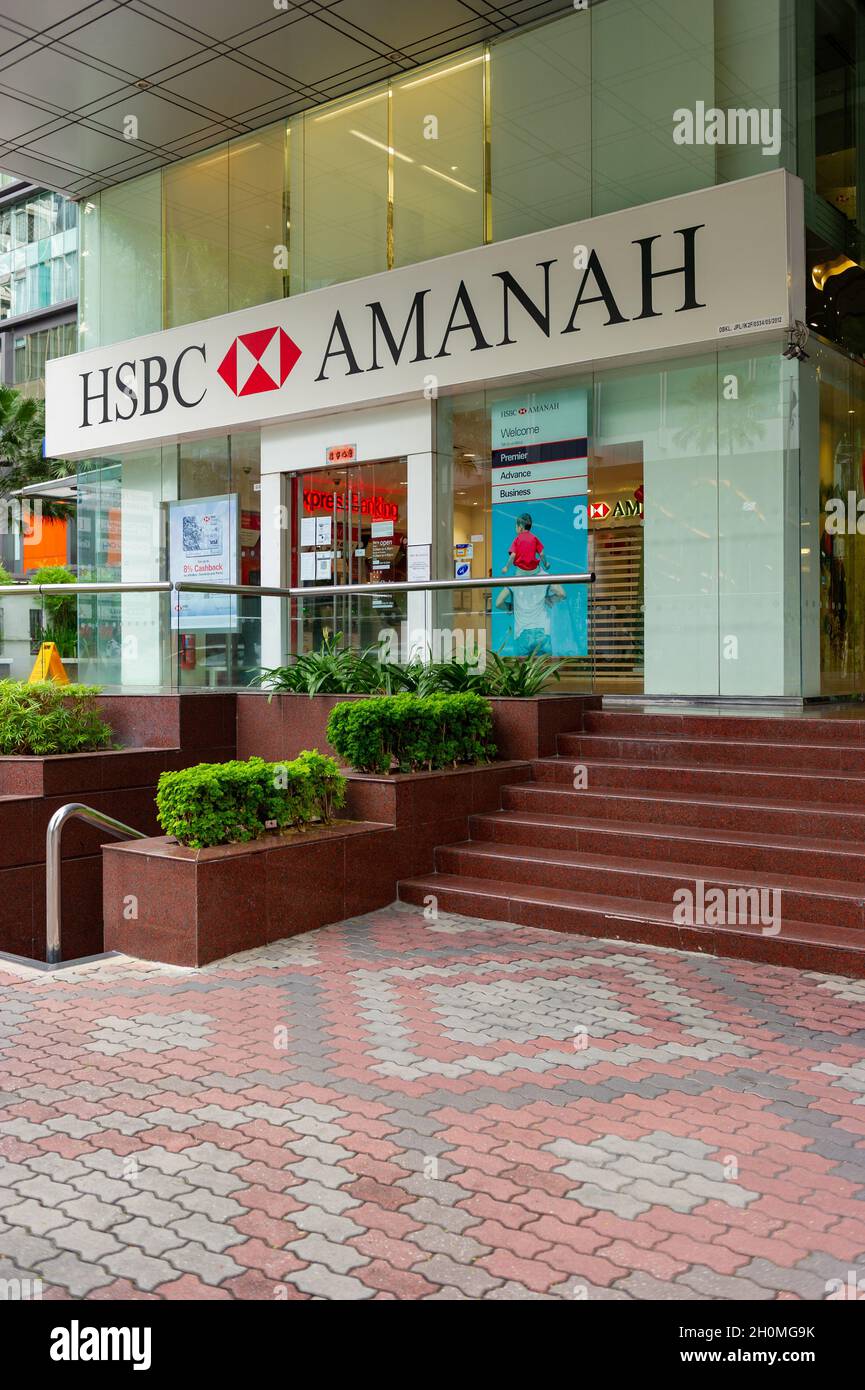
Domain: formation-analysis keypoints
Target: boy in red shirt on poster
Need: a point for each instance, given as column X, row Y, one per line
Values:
column 526, row 550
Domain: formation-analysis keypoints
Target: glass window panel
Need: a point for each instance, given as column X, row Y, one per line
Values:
column 752, row 44
column 438, row 160
column 130, row 259
column 196, row 237
column 256, row 179
column 647, row 62
column 341, row 187
column 835, row 102
column 540, row 143
column 88, row 286
column 664, row 421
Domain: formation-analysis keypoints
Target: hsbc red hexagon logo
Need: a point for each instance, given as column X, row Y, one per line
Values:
column 259, row 361
column 599, row 511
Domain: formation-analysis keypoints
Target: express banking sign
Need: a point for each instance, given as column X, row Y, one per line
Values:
column 655, row 279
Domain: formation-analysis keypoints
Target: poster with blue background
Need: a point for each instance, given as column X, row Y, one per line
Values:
column 540, row 521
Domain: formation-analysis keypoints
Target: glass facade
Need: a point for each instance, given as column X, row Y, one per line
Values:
column 31, row 350
column 712, row 484
column 570, row 119
column 691, row 504
column 38, row 254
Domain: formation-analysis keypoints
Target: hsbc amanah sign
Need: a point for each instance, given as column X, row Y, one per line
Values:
column 650, row 279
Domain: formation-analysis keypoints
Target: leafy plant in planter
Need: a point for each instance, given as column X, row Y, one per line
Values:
column 415, row 732
column 235, row 802
column 337, row 670
column 332, row 670
column 521, row 676
column 46, row 718
column 60, row 623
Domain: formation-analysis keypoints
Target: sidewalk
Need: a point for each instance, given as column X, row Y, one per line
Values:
column 392, row 1107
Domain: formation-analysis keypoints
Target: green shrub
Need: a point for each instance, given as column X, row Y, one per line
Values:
column 327, row 783
column 415, row 732
column 234, row 802
column 60, row 620
column 48, row 718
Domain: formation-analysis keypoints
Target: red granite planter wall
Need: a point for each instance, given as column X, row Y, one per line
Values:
column 184, row 729
column 529, row 728
column 282, row 725
column 428, row 809
column 195, row 906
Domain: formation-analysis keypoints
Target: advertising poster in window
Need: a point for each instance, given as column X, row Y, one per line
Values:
column 203, row 546
column 539, row 521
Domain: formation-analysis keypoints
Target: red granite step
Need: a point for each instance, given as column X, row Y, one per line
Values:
column 845, row 788
column 806, row 899
column 753, row 754
column 805, row 819
column 843, row 724
column 839, row 859
column 806, row 945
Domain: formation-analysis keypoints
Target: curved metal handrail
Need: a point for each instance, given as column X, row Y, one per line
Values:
column 73, row 810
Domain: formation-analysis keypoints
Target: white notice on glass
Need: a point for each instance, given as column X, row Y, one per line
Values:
column 323, row 530
column 323, row 565
column 307, row 530
column 307, row 565
column 418, row 563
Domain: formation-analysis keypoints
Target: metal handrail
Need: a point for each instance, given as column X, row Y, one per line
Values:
column 153, row 586
column 399, row 586
column 52, row 863
column 396, row 586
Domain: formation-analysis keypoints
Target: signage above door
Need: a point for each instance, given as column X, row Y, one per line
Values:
column 662, row 277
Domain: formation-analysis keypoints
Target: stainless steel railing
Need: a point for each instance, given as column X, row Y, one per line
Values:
column 53, row 895
column 397, row 586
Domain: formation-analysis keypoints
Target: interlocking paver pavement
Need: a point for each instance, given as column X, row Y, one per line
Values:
column 397, row 1108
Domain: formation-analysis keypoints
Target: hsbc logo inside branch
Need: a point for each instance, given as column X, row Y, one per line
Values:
column 653, row 279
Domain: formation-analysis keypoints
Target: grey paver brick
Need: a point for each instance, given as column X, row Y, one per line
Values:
column 214, row 1235
column 100, row 1215
column 646, row 1287
column 153, row 1240
column 199, row 1199
column 327, row 1223
column 714, row 1285
column 75, row 1275
column 35, row 1217
column 329, row 1198
column 211, row 1268
column 45, row 1190
column 317, row 1249
column 471, row 1279
column 428, row 1212
column 438, row 1241
column 321, row 1282
column 679, row 1197
column 90, row 1244
column 144, row 1271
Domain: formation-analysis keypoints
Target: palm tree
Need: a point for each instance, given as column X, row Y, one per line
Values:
column 22, row 462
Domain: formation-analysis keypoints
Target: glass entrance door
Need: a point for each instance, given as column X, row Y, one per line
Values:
column 350, row 527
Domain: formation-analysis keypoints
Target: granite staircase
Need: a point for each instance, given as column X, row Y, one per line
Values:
column 641, row 811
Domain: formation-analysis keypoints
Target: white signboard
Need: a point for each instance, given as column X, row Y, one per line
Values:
column 661, row 277
column 203, row 546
